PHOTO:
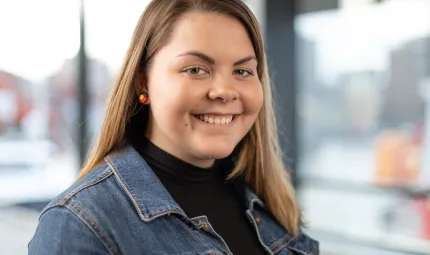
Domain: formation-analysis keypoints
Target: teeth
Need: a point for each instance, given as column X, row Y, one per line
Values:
column 215, row 119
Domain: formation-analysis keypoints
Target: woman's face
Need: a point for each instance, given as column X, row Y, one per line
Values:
column 204, row 90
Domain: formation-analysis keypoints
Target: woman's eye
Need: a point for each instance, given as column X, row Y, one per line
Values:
column 195, row 71
column 243, row 72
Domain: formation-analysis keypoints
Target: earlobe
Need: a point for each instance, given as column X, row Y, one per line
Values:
column 143, row 98
column 140, row 83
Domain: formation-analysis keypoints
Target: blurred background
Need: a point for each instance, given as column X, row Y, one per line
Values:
column 352, row 83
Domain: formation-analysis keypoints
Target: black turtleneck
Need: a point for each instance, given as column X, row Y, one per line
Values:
column 204, row 191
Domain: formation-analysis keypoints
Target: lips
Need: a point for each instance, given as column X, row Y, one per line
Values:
column 215, row 119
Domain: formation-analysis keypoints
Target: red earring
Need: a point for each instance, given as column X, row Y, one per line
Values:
column 143, row 98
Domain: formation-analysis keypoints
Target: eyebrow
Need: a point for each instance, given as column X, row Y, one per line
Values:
column 211, row 61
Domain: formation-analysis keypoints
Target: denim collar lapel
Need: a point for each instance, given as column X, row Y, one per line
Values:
column 146, row 192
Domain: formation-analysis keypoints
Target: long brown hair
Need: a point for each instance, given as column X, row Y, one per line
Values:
column 259, row 156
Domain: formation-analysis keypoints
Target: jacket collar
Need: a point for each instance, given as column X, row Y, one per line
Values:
column 151, row 199
column 148, row 195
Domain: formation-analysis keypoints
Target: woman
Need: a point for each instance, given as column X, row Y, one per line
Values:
column 188, row 160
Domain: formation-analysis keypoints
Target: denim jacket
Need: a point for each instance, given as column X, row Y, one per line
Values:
column 122, row 208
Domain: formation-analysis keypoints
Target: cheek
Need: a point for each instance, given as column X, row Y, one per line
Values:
column 171, row 102
column 253, row 99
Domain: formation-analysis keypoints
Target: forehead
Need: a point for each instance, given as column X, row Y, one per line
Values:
column 217, row 35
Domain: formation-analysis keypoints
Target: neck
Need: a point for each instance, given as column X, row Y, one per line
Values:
column 170, row 167
column 169, row 147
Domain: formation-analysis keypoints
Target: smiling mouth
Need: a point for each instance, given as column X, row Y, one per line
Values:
column 216, row 119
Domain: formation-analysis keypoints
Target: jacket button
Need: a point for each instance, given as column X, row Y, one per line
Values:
column 257, row 220
column 204, row 227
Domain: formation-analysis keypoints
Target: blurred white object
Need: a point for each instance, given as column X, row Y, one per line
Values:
column 33, row 171
column 17, row 227
column 34, row 124
column 28, row 155
column 8, row 107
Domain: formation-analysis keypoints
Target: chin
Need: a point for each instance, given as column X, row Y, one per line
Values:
column 213, row 151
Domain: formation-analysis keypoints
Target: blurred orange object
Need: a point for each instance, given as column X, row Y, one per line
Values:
column 397, row 159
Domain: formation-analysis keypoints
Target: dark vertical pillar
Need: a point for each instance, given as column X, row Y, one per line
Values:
column 82, row 89
column 280, row 40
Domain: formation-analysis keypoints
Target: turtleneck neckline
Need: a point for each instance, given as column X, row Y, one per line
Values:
column 171, row 167
column 204, row 191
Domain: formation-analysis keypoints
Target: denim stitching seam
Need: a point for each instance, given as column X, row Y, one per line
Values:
column 106, row 173
column 96, row 180
column 132, row 196
column 91, row 223
column 127, row 190
column 280, row 244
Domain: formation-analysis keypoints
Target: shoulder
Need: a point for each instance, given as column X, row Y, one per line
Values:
column 63, row 232
column 80, row 212
column 86, row 188
column 94, row 198
column 102, row 181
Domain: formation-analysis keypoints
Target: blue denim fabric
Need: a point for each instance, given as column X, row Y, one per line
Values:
column 122, row 208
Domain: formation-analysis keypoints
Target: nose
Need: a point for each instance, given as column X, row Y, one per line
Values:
column 223, row 91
